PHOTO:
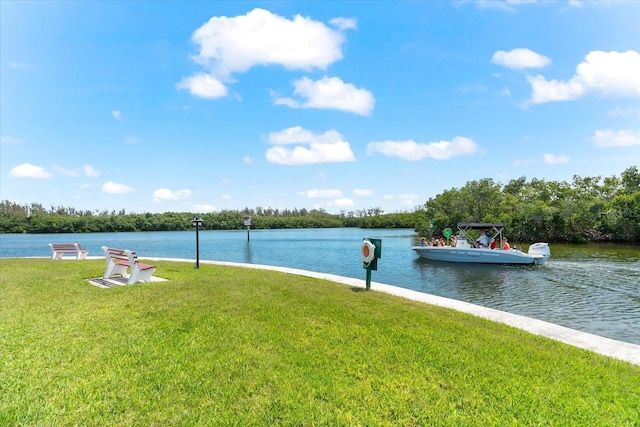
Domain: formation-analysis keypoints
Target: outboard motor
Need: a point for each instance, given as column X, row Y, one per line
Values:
column 540, row 249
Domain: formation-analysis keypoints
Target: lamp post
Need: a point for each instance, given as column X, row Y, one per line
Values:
column 247, row 222
column 197, row 221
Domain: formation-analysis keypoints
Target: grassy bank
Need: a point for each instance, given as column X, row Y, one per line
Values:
column 230, row 346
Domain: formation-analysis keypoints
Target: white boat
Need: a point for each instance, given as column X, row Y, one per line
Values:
column 466, row 250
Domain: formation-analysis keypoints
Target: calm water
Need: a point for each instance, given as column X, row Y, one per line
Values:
column 593, row 288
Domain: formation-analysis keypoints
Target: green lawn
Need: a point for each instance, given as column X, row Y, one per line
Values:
column 231, row 346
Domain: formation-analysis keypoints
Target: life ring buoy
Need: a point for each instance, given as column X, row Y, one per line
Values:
column 368, row 251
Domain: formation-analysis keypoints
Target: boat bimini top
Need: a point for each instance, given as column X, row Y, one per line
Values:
column 494, row 227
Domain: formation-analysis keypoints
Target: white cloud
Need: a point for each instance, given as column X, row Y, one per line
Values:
column 166, row 194
column 247, row 160
column 627, row 113
column 492, row 4
column 388, row 197
column 90, row 171
column 111, row 187
column 324, row 148
column 339, row 151
column 330, row 93
column 226, row 197
column 262, row 38
column 620, row 138
column 204, row 86
column 341, row 202
column 66, row 172
column 321, row 194
column 519, row 59
column 555, row 159
column 612, row 73
column 553, row 90
column 297, row 134
column 289, row 102
column 86, row 170
column 116, row 114
column 508, row 5
column 230, row 45
column 27, row 170
column 344, row 23
column 411, row 150
column 362, row 192
column 608, row 73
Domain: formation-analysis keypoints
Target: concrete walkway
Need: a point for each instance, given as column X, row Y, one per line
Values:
column 605, row 346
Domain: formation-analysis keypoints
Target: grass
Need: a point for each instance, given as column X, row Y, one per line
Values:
column 239, row 347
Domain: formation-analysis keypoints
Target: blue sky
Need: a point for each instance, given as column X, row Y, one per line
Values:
column 205, row 106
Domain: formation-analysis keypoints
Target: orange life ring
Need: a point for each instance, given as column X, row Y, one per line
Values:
column 368, row 251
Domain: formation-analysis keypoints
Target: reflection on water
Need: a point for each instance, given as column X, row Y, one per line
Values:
column 593, row 288
column 461, row 280
column 248, row 258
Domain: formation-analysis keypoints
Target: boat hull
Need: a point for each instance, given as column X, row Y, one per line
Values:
column 479, row 255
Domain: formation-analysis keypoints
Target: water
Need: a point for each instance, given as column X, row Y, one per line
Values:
column 593, row 288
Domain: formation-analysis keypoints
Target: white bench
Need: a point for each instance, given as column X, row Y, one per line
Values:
column 58, row 250
column 119, row 260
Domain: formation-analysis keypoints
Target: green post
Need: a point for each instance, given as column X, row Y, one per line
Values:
column 373, row 264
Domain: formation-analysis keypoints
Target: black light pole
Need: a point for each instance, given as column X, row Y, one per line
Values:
column 197, row 222
column 247, row 223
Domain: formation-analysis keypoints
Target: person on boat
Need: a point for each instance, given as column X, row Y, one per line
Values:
column 484, row 240
column 505, row 245
column 493, row 244
column 423, row 242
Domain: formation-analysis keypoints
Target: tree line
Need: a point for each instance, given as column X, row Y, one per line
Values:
column 592, row 209
column 586, row 209
column 34, row 218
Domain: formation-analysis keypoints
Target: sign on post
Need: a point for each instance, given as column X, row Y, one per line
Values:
column 246, row 220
